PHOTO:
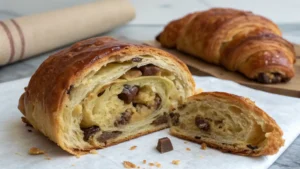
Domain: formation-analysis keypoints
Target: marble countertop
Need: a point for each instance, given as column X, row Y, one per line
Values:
column 151, row 18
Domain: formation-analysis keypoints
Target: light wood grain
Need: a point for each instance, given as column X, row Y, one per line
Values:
column 291, row 88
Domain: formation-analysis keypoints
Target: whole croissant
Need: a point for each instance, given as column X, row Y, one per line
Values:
column 238, row 40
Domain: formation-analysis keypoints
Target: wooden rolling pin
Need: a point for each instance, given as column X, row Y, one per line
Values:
column 27, row 36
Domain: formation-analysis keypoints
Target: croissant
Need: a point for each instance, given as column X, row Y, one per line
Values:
column 227, row 122
column 102, row 91
column 237, row 40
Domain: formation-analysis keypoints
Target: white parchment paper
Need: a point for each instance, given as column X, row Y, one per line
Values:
column 15, row 140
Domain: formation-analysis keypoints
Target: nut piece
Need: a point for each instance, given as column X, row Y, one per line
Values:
column 164, row 145
column 176, row 162
column 35, row 151
column 203, row 146
column 128, row 164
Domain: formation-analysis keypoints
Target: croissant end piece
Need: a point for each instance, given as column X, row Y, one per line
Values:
column 227, row 122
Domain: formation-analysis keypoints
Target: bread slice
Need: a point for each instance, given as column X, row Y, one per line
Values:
column 227, row 122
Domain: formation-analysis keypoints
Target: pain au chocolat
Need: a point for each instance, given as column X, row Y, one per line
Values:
column 102, row 91
column 239, row 41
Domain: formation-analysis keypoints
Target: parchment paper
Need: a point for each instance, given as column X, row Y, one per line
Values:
column 15, row 140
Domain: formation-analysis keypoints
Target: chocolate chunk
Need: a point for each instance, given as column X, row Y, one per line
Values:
column 149, row 70
column 106, row 135
column 123, row 119
column 88, row 132
column 197, row 137
column 174, row 118
column 29, row 130
column 157, row 102
column 268, row 78
column 160, row 120
column 202, row 124
column 128, row 93
column 137, row 59
column 70, row 88
column 164, row 145
column 100, row 94
column 252, row 147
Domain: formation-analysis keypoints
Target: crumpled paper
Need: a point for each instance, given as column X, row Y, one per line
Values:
column 16, row 140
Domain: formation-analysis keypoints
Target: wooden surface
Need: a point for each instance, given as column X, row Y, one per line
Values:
column 291, row 88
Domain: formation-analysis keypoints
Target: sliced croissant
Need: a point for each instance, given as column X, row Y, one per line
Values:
column 227, row 122
column 102, row 91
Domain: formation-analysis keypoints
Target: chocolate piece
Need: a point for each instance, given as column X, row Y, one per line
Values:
column 157, row 102
column 149, row 70
column 174, row 118
column 101, row 93
column 160, row 120
column 164, row 145
column 252, row 147
column 123, row 119
column 137, row 59
column 202, row 124
column 70, row 88
column 197, row 137
column 106, row 135
column 268, row 78
column 128, row 93
column 88, row 132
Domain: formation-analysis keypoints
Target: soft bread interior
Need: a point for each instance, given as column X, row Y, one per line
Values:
column 225, row 123
column 96, row 116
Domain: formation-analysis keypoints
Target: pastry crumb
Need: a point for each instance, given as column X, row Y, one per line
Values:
column 35, row 151
column 185, row 142
column 203, row 146
column 188, row 149
column 93, row 152
column 151, row 164
column 158, row 165
column 138, row 167
column 47, row 158
column 144, row 161
column 133, row 148
column 176, row 162
column 128, row 164
column 24, row 120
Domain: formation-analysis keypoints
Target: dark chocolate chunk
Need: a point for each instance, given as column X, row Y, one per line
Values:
column 157, row 102
column 137, row 59
column 201, row 123
column 160, row 120
column 29, row 130
column 252, row 147
column 70, row 88
column 128, row 93
column 101, row 93
column 268, row 78
column 164, row 145
column 197, row 137
column 106, row 135
column 123, row 119
column 88, row 132
column 149, row 70
column 174, row 118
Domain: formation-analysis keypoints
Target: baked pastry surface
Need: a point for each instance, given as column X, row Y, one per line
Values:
column 237, row 40
column 227, row 122
column 102, row 91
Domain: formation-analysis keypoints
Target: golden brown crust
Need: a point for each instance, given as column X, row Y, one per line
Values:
column 274, row 137
column 218, row 36
column 48, row 88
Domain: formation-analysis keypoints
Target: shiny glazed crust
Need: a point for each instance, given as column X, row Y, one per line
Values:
column 273, row 137
column 238, row 40
column 47, row 94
